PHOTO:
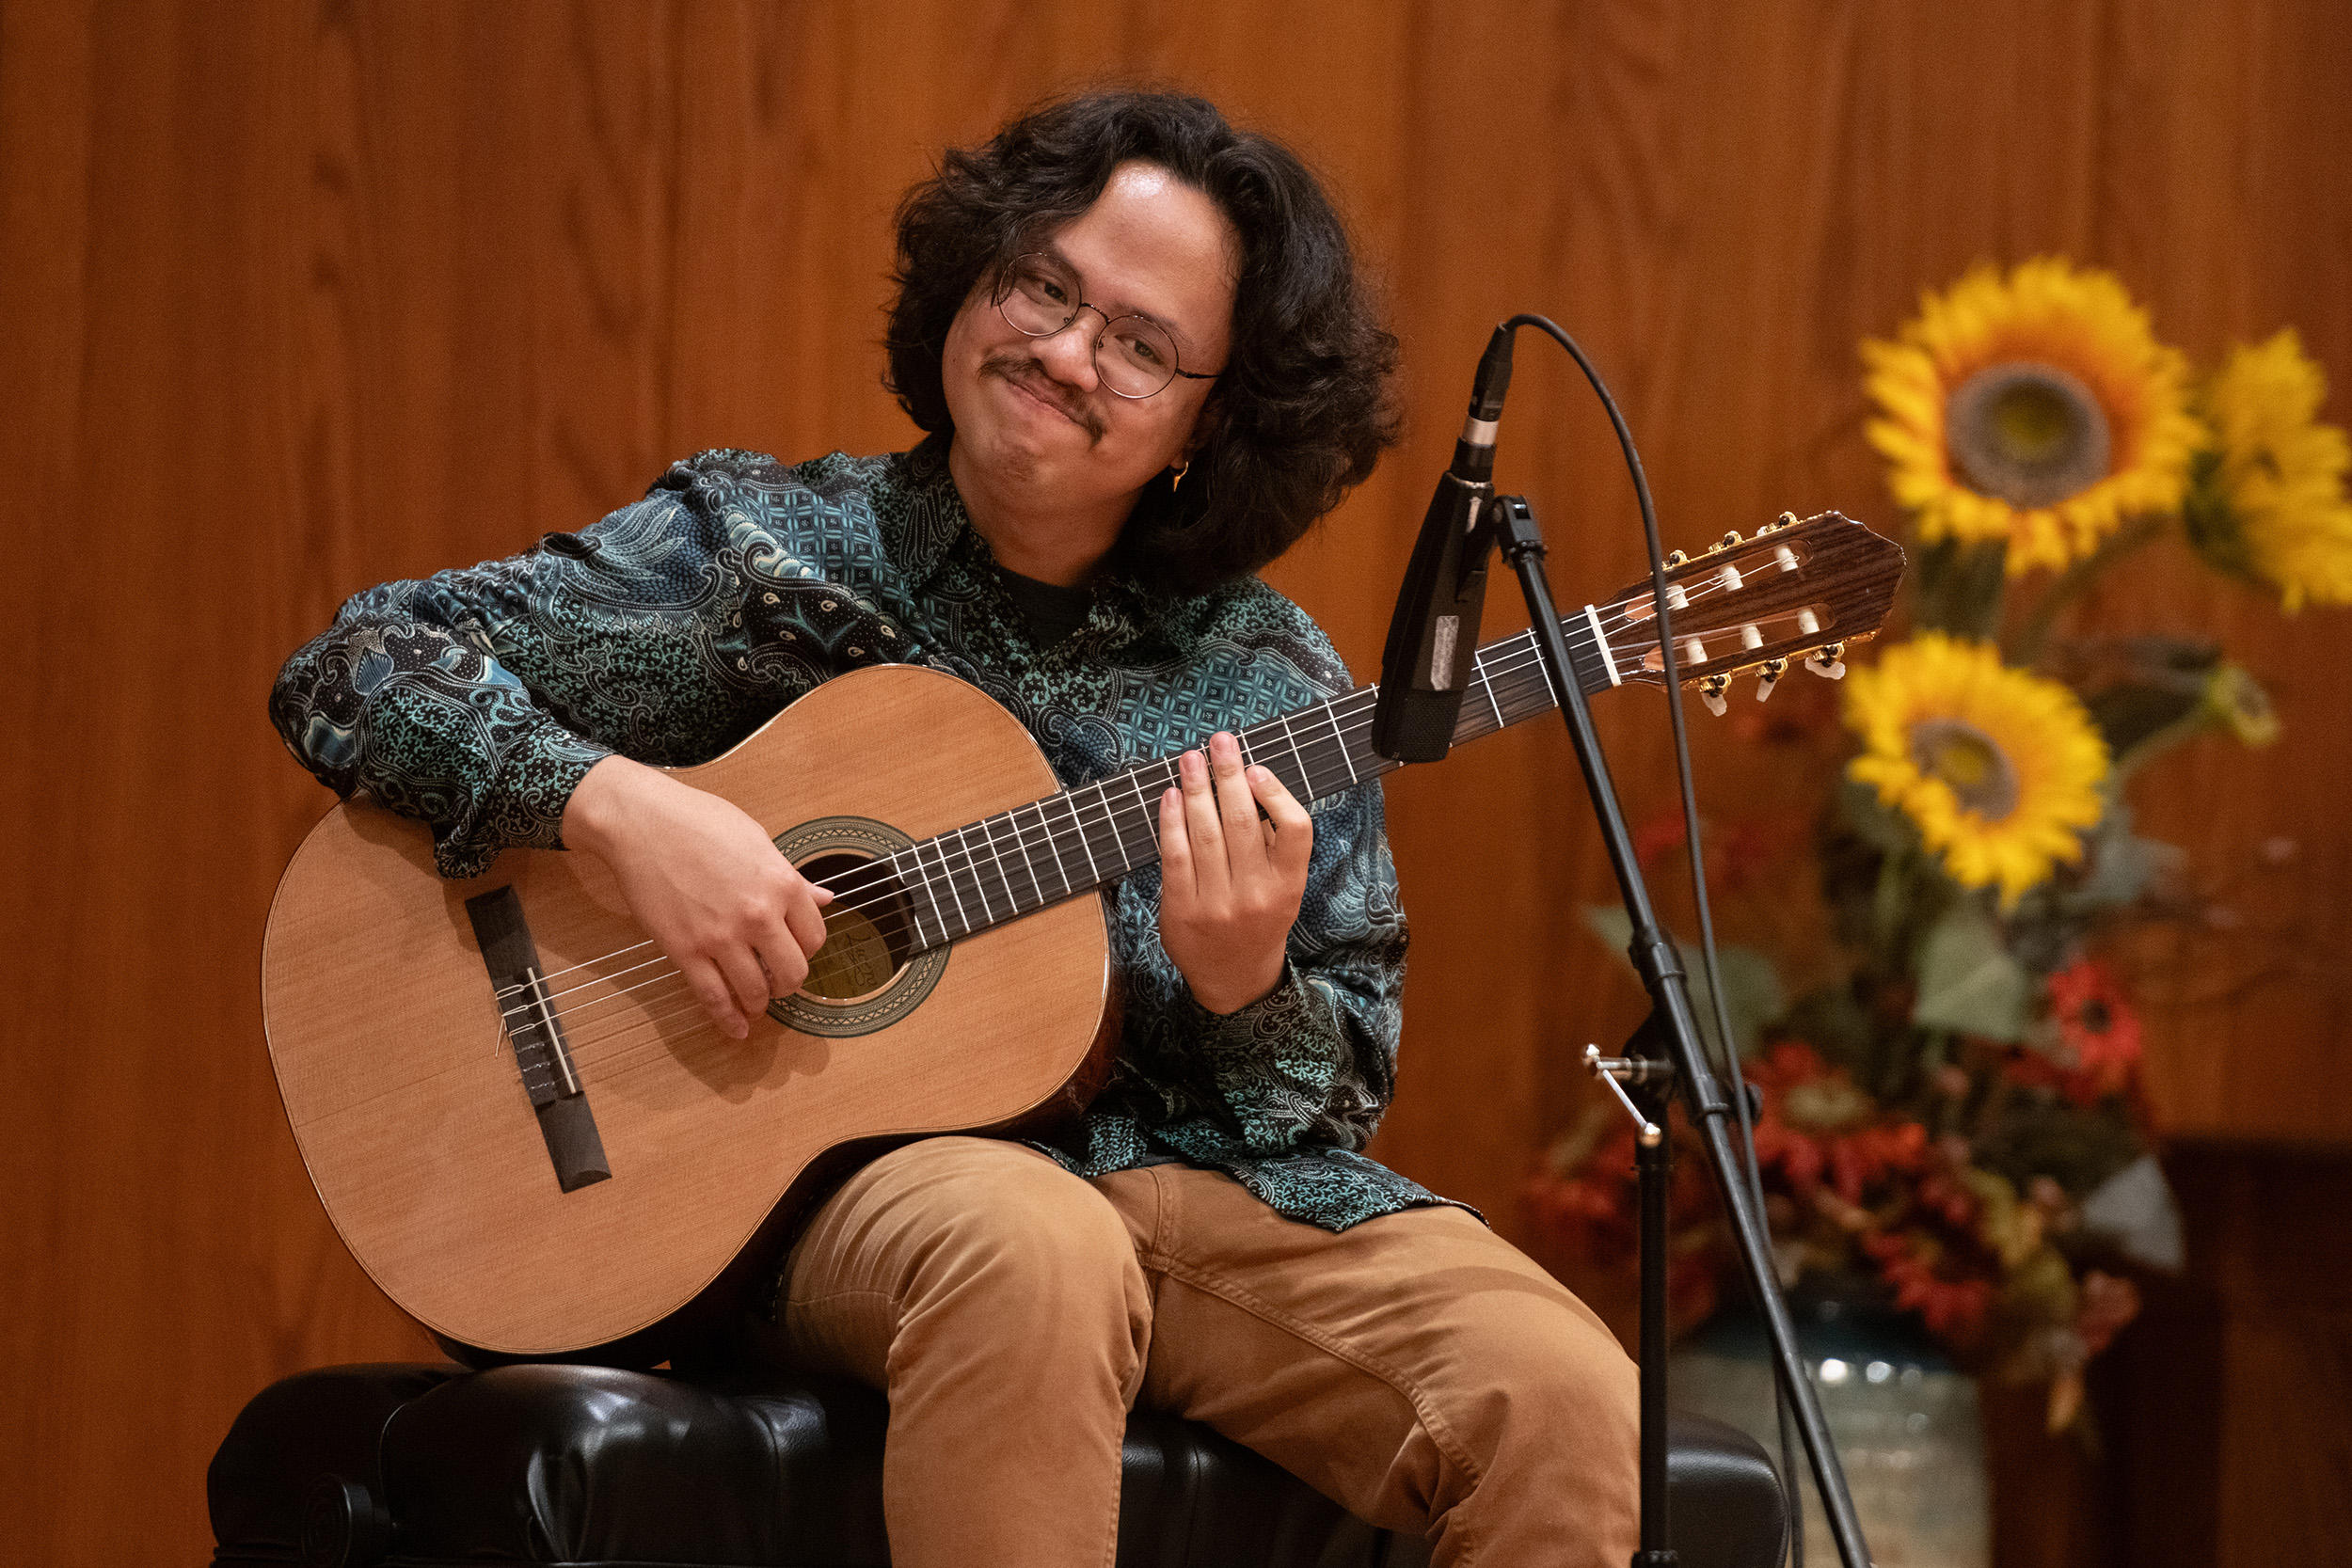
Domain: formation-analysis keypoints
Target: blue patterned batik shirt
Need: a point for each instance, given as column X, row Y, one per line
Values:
column 669, row 631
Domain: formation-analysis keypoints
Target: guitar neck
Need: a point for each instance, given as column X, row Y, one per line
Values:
column 1798, row 588
column 1005, row 867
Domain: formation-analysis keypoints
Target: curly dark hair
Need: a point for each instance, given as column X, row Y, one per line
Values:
column 1305, row 405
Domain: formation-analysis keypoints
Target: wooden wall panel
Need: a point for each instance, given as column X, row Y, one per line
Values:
column 302, row 294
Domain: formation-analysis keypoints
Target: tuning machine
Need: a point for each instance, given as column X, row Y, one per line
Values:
column 1828, row 660
column 1768, row 676
column 1711, row 693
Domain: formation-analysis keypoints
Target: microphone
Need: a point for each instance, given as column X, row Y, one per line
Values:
column 1434, row 633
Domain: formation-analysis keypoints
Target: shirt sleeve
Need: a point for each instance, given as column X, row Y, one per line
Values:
column 475, row 700
column 1313, row 1064
column 410, row 697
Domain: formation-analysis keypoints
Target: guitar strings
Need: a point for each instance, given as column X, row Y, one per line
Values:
column 967, row 858
column 1516, row 670
column 1511, row 665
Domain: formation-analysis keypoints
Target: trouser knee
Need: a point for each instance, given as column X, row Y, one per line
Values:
column 974, row 1252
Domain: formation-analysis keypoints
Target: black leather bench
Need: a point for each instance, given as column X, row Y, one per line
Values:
column 420, row 1465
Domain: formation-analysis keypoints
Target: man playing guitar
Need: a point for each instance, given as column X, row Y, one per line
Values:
column 1138, row 344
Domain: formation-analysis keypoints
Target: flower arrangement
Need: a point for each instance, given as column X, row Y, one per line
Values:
column 1951, row 1103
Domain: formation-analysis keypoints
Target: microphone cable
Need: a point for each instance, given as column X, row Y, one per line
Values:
column 1663, row 612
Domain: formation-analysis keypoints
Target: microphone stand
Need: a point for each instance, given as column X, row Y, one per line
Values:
column 1511, row 522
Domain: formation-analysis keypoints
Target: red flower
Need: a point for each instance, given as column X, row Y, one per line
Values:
column 1915, row 1267
column 2098, row 1037
column 1816, row 1124
column 1591, row 1211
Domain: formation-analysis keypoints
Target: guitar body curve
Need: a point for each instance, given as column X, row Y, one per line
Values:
column 410, row 1107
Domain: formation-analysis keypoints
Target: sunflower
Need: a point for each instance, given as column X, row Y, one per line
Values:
column 2268, row 499
column 2001, row 769
column 2036, row 408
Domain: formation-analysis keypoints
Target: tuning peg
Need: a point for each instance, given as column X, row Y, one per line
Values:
column 1711, row 693
column 1675, row 559
column 1768, row 676
column 1827, row 660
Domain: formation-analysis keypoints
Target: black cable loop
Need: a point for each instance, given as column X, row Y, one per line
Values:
column 1663, row 611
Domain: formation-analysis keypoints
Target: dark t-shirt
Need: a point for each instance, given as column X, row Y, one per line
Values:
column 1052, row 611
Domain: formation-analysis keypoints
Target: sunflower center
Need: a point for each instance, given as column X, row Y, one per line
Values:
column 1968, row 760
column 2031, row 434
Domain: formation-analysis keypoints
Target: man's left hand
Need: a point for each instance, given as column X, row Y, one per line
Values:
column 1230, row 884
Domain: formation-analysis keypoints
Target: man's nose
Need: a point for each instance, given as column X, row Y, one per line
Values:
column 1068, row 356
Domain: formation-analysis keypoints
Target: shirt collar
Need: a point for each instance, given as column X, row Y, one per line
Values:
column 922, row 532
column 932, row 527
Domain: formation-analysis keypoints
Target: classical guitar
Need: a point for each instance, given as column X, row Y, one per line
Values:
column 531, row 1138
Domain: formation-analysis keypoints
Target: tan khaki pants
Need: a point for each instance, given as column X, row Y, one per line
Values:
column 1413, row 1367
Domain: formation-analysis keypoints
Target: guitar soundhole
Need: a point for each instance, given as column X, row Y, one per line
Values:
column 867, row 928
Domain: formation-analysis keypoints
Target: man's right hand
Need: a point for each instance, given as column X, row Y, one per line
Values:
column 704, row 882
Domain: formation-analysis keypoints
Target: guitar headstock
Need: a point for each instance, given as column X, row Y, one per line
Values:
column 1796, row 590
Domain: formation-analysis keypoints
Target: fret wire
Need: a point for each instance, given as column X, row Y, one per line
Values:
column 1143, row 807
column 971, row 863
column 1486, row 680
column 1083, row 843
column 1331, row 713
column 1110, row 819
column 1143, row 811
column 1108, row 827
column 1305, row 784
column 1038, row 895
column 1004, row 877
column 939, row 848
column 1047, row 828
column 1008, row 871
column 914, row 915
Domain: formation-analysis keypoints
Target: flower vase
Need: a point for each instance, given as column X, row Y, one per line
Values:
column 1905, row 1421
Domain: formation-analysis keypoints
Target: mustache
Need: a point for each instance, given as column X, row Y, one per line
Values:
column 1024, row 371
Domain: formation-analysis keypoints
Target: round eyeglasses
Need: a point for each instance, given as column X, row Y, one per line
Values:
column 1134, row 356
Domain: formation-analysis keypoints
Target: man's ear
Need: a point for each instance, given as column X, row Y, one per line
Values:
column 1205, row 427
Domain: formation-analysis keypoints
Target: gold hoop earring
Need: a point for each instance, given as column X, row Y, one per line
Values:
column 1181, row 470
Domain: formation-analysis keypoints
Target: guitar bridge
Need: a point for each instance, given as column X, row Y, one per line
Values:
column 527, row 1009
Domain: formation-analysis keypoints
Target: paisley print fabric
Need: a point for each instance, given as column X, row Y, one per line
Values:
column 476, row 699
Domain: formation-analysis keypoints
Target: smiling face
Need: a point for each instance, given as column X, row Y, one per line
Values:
column 1037, row 436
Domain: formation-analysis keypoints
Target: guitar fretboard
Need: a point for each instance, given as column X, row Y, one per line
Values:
column 1014, row 864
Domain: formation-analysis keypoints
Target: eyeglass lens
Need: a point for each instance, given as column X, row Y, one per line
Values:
column 1133, row 357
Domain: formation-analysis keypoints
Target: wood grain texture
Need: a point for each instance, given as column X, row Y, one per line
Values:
column 299, row 295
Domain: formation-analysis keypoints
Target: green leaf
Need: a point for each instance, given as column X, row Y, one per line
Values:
column 2121, row 863
column 1753, row 994
column 1968, row 980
